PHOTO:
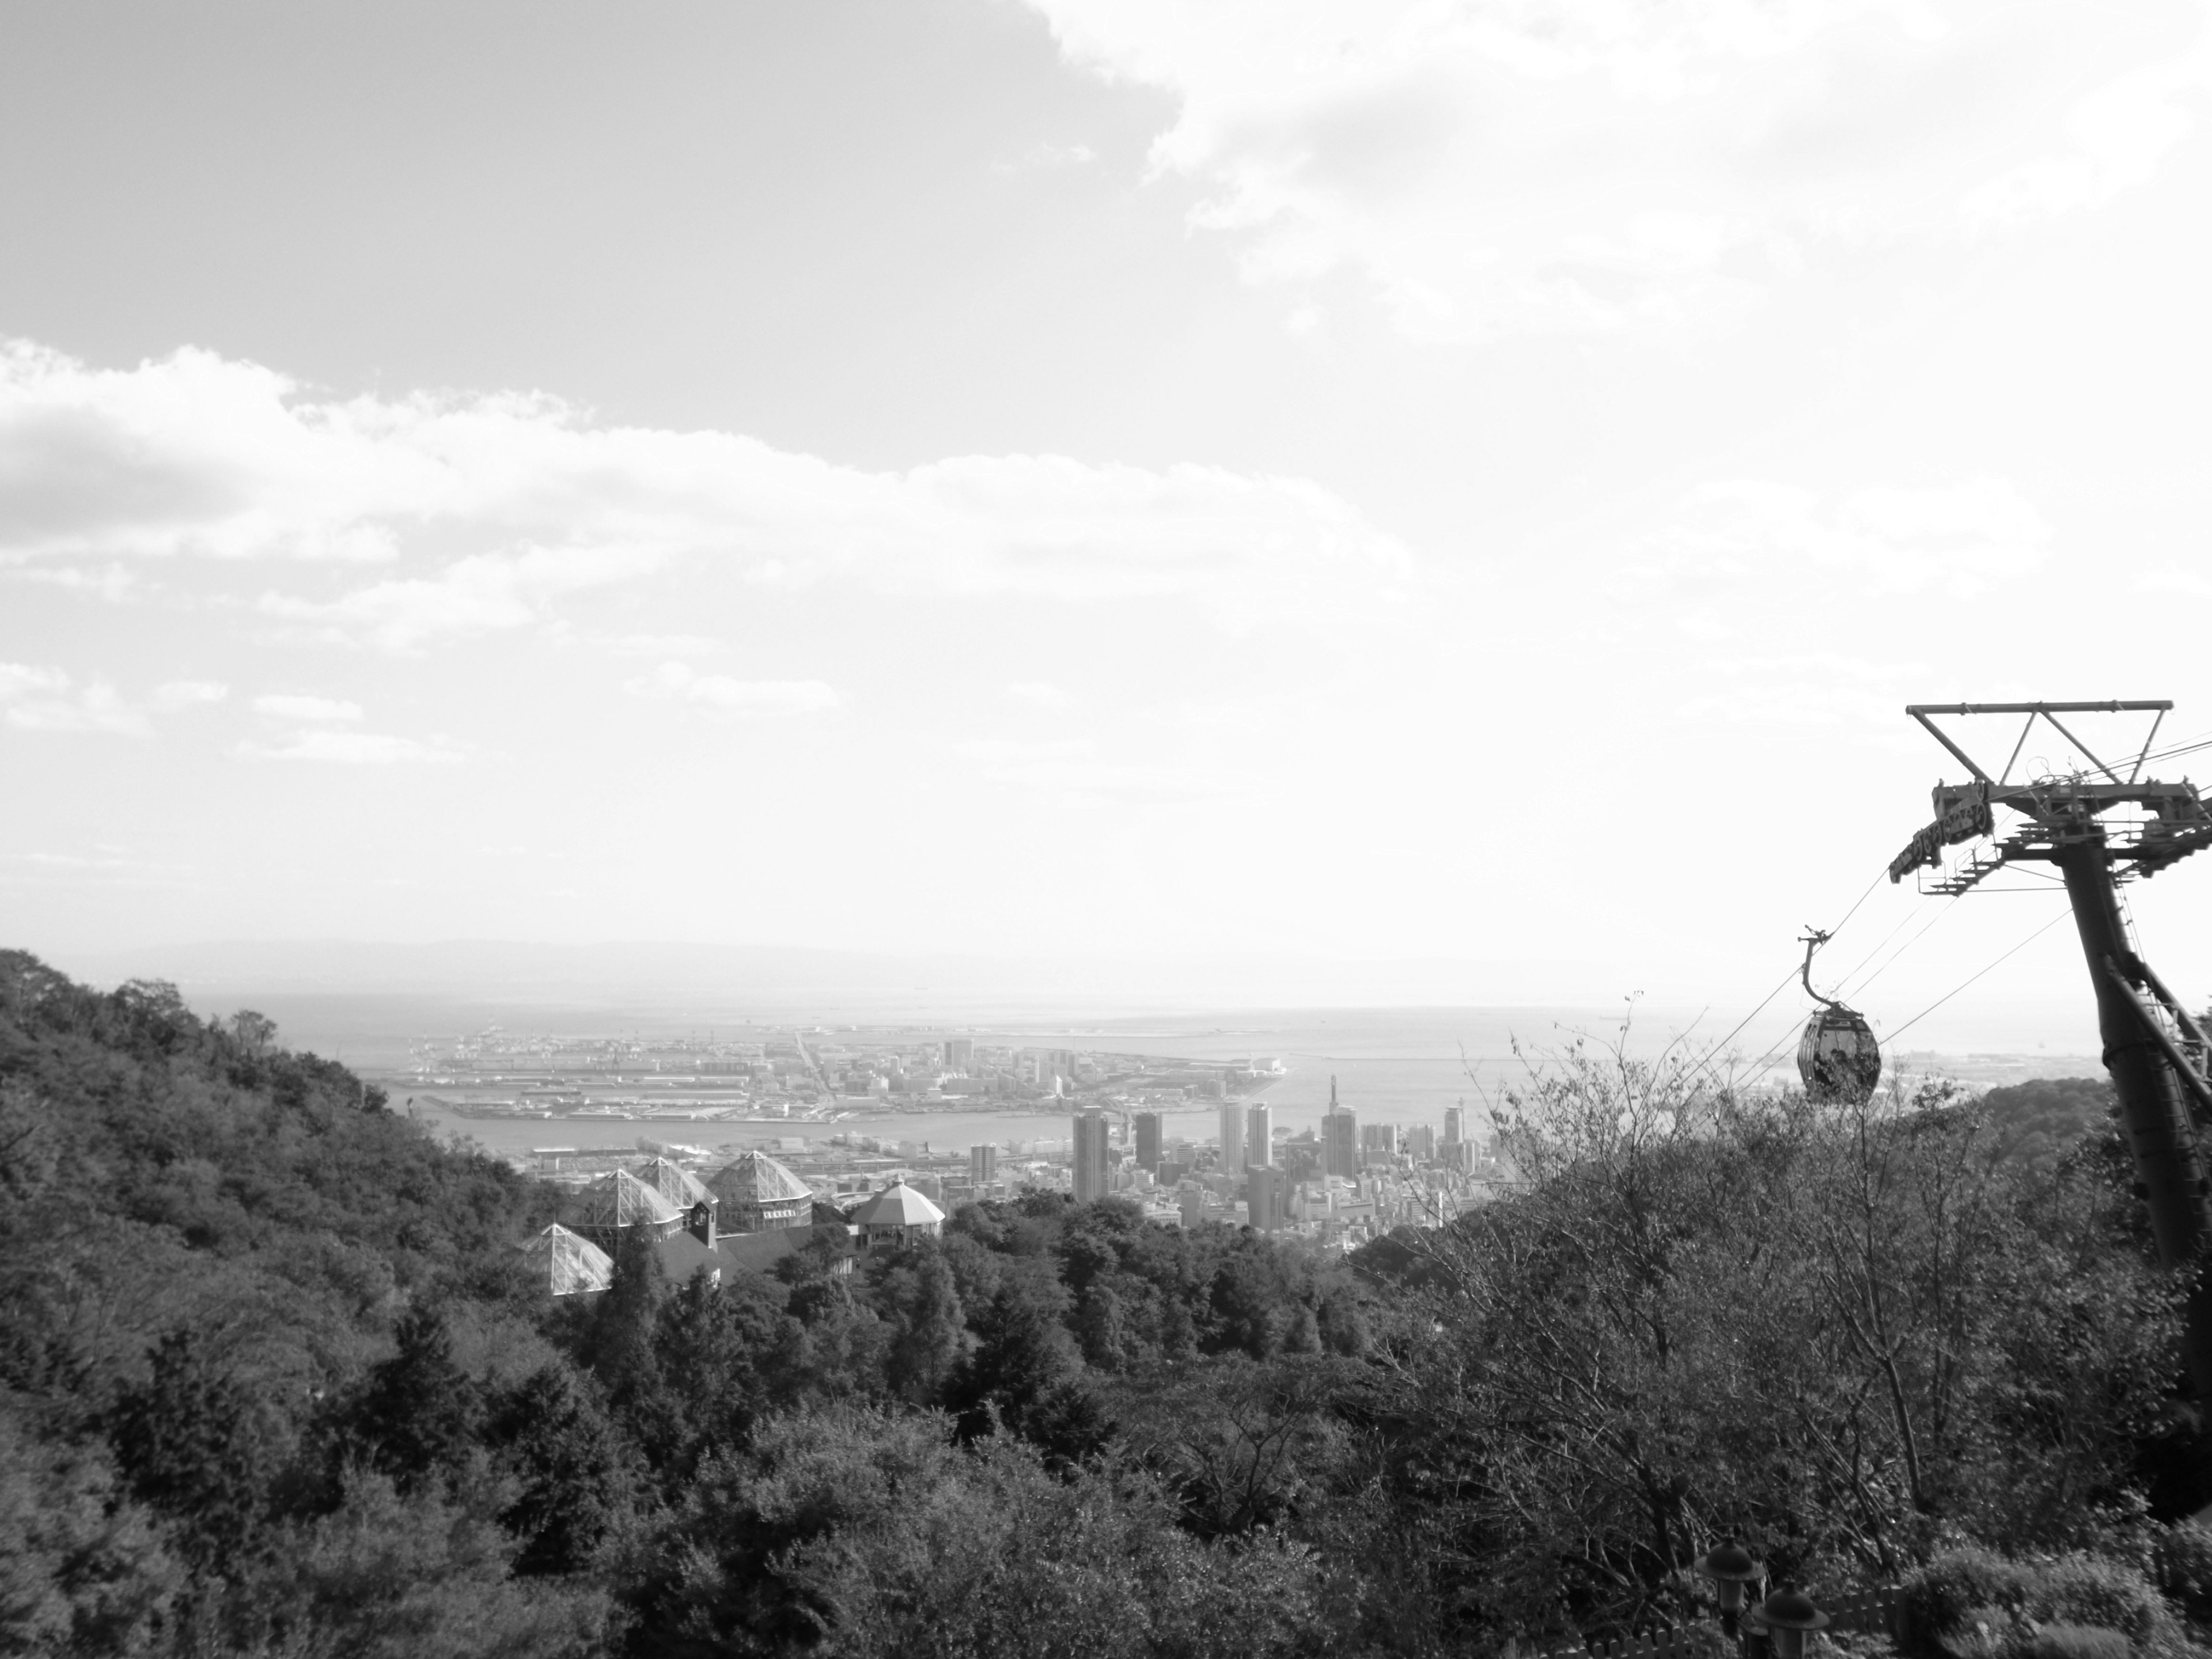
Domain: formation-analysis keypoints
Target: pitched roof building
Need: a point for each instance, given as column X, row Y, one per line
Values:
column 619, row 1200
column 898, row 1215
column 758, row 1194
column 566, row 1264
column 674, row 1182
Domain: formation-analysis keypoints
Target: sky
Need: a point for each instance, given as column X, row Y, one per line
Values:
column 1451, row 494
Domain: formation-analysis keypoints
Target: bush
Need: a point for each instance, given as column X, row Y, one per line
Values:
column 1941, row 1600
column 2089, row 1589
column 1971, row 1601
column 2184, row 1559
column 2074, row 1642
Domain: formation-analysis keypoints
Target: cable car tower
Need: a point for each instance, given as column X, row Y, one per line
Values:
column 2100, row 828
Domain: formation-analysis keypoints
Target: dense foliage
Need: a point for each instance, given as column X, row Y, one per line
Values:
column 270, row 1384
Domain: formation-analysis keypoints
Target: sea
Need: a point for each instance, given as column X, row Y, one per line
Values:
column 1403, row 1066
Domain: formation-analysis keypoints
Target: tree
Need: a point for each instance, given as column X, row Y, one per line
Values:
column 193, row 1445
column 417, row 1413
column 572, row 1470
column 931, row 1330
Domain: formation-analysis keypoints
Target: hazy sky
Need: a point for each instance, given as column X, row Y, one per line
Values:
column 1468, row 481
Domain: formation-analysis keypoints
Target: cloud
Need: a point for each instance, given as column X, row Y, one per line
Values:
column 1736, row 537
column 999, row 750
column 173, row 696
column 1504, row 165
column 1823, row 689
column 2175, row 579
column 1048, row 158
column 287, row 706
column 494, row 510
column 658, row 645
column 1068, row 768
column 677, row 682
column 1037, row 693
column 48, row 700
column 320, row 743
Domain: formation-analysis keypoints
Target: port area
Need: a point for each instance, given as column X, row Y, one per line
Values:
column 797, row 1076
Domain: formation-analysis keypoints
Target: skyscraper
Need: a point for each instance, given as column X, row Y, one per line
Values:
column 1378, row 1143
column 959, row 1053
column 1090, row 1155
column 1264, row 1197
column 1148, row 1141
column 1339, row 1140
column 982, row 1165
column 1455, row 1123
column 1192, row 1199
column 1421, row 1143
column 1232, row 1137
column 1260, row 1135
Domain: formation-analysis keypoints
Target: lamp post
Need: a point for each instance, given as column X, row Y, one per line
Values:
column 1785, row 1618
column 1732, row 1568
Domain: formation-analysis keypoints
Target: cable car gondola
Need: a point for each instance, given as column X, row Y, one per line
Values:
column 1838, row 1057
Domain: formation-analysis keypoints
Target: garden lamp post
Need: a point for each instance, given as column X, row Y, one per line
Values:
column 1732, row 1568
column 1787, row 1617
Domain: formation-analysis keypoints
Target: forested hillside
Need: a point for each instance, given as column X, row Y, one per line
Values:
column 272, row 1383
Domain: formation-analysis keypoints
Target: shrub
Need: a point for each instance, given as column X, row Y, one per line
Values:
column 2074, row 1642
column 1942, row 1599
column 2184, row 1559
column 2089, row 1589
column 1971, row 1601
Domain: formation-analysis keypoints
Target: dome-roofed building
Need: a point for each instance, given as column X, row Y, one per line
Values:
column 618, row 1199
column 675, row 1183
column 758, row 1194
column 566, row 1264
column 898, row 1215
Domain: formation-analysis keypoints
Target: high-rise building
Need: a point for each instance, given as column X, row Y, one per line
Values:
column 1260, row 1135
column 1191, row 1198
column 1148, row 1140
column 1264, row 1197
column 1378, row 1142
column 1339, row 1140
column 1232, row 1137
column 1091, row 1157
column 1421, row 1143
column 959, row 1053
column 1454, row 1123
column 982, row 1165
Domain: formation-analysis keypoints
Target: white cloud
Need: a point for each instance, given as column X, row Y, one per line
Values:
column 658, row 645
column 2175, row 579
column 1494, row 166
column 22, row 680
column 172, row 696
column 1737, row 535
column 1047, row 158
column 1824, row 689
column 289, row 705
column 995, row 750
column 499, row 507
column 351, row 749
column 1037, row 693
column 48, row 700
column 678, row 682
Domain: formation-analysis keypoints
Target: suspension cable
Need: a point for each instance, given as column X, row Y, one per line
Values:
column 1892, row 1037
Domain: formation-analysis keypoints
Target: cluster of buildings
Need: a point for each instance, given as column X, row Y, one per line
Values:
column 751, row 1213
column 1339, row 1186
